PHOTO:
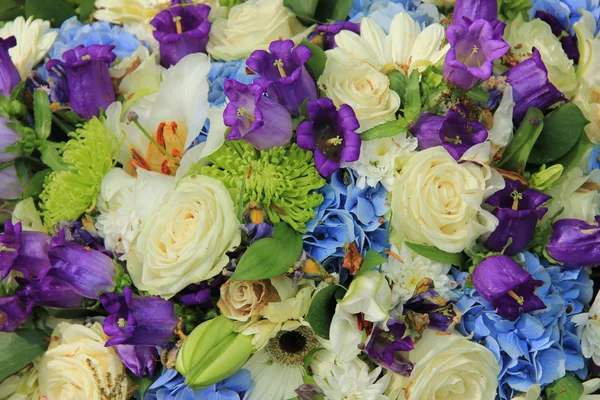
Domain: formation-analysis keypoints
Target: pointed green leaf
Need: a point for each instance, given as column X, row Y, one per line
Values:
column 19, row 348
column 435, row 254
column 412, row 98
column 316, row 62
column 36, row 183
column 517, row 153
column 398, row 82
column 302, row 8
column 566, row 388
column 52, row 158
column 42, row 114
column 55, row 11
column 387, row 129
column 335, row 10
column 322, row 308
column 573, row 156
column 372, row 259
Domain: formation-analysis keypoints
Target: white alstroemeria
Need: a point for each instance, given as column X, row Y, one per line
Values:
column 524, row 36
column 589, row 387
column 353, row 381
column 34, row 39
column 500, row 134
column 408, row 269
column 588, row 329
column 533, row 393
column 578, row 194
column 369, row 294
column 381, row 159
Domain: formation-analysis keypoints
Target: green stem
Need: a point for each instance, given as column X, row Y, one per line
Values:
column 150, row 138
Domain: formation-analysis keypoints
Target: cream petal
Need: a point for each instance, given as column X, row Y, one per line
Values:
column 429, row 44
column 403, row 33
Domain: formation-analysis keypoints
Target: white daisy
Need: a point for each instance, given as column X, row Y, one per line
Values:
column 34, row 39
column 588, row 329
column 353, row 381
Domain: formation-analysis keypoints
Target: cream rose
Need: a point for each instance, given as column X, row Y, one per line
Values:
column 185, row 238
column 241, row 300
column 449, row 367
column 252, row 25
column 362, row 87
column 76, row 365
column 437, row 201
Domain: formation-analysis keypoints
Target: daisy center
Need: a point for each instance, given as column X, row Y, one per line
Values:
column 290, row 347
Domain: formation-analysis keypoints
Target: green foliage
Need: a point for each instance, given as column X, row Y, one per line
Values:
column 322, row 309
column 517, row 153
column 316, row 62
column 387, row 129
column 17, row 349
column 55, row 11
column 372, row 259
column 435, row 254
column 566, row 388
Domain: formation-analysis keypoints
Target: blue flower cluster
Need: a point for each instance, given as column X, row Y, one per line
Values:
column 219, row 71
column 538, row 347
column 594, row 160
column 348, row 214
column 171, row 386
column 383, row 11
column 567, row 11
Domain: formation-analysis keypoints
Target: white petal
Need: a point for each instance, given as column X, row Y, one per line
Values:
column 151, row 188
column 403, row 33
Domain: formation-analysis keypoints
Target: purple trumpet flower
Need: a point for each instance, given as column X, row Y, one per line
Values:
column 200, row 294
column 8, row 138
column 141, row 360
column 138, row 320
column 283, row 67
column 11, row 188
column 9, row 74
column 87, row 271
column 47, row 290
column 427, row 130
column 568, row 41
column 473, row 50
column 518, row 210
column 23, row 251
column 442, row 315
column 507, row 286
column 325, row 34
column 55, row 85
column 254, row 117
column 575, row 243
column 90, row 86
column 531, row 87
column 383, row 347
column 331, row 134
column 181, row 29
column 13, row 312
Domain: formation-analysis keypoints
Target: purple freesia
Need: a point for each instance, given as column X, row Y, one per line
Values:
column 24, row 251
column 90, row 86
column 325, row 34
column 575, row 243
column 473, row 50
column 283, row 67
column 384, row 347
column 254, row 117
column 141, row 360
column 181, row 29
column 466, row 11
column 9, row 74
column 331, row 134
column 138, row 320
column 13, row 312
column 507, row 286
column 531, row 87
column 518, row 209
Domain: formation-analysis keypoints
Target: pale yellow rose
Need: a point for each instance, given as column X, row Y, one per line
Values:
column 241, row 300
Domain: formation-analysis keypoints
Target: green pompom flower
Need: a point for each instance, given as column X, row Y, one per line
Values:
column 73, row 191
column 282, row 179
column 509, row 9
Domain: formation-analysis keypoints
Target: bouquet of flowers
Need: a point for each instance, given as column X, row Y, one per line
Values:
column 299, row 199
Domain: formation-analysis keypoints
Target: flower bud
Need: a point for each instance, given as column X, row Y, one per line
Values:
column 546, row 177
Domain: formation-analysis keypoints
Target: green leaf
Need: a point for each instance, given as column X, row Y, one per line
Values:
column 562, row 129
column 322, row 308
column 142, row 383
column 372, row 259
column 36, row 183
column 86, row 8
column 387, row 129
column 270, row 257
column 517, row 153
column 478, row 94
column 17, row 349
column 11, row 9
column 316, row 62
column 42, row 114
column 412, row 98
column 398, row 82
column 302, row 8
column 55, row 11
column 22, row 171
column 573, row 156
column 335, row 10
column 18, row 92
column 52, row 158
column 435, row 254
column 566, row 388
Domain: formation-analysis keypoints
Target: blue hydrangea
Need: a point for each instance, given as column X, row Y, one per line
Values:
column 567, row 11
column 538, row 347
column 171, row 386
column 348, row 214
column 594, row 161
column 219, row 71
column 383, row 11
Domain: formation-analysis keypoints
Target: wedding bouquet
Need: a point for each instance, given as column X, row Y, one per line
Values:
column 299, row 199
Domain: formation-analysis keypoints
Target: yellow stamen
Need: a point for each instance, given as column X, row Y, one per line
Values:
column 86, row 57
column 177, row 21
column 121, row 322
column 456, row 140
column 516, row 197
column 515, row 296
column 395, row 255
column 7, row 249
column 279, row 65
column 336, row 141
column 242, row 112
column 468, row 58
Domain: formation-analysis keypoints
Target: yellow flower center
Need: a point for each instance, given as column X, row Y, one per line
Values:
column 279, row 65
column 121, row 322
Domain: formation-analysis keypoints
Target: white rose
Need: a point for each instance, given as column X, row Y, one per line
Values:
column 449, row 367
column 77, row 363
column 437, row 201
column 578, row 194
column 362, row 87
column 186, row 236
column 252, row 25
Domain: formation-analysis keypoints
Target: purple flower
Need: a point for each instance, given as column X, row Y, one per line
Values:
column 254, row 117
column 531, row 87
column 200, row 294
column 473, row 50
column 141, row 360
column 8, row 138
column 518, row 211
column 284, row 68
column 47, row 290
column 331, row 134
column 181, row 30
column 55, row 85
column 427, row 130
column 467, row 11
column 9, row 74
column 13, row 312
column 11, row 188
column 90, row 86
column 87, row 271
column 138, row 320
column 459, row 133
column 507, row 286
column 26, row 252
column 575, row 243
column 442, row 315
column 383, row 347
column 327, row 33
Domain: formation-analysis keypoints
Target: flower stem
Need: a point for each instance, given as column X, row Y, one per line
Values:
column 162, row 149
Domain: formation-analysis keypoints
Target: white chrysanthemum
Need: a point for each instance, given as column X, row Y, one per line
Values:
column 21, row 386
column 380, row 159
column 588, row 329
column 353, row 381
column 34, row 39
column 405, row 275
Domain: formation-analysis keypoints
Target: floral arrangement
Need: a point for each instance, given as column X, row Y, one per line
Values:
column 299, row 199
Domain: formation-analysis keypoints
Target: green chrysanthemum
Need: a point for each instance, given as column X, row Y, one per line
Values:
column 70, row 193
column 282, row 179
column 511, row 8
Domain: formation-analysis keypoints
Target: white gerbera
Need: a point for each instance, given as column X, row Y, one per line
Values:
column 380, row 159
column 588, row 329
column 405, row 275
column 34, row 39
column 353, row 381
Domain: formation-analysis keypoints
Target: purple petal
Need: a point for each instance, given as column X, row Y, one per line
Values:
column 575, row 243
